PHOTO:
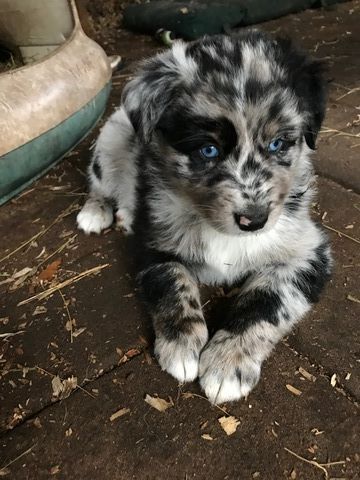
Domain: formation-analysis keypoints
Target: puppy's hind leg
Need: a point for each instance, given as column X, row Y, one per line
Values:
column 112, row 177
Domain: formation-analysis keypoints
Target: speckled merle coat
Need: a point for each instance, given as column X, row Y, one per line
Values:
column 207, row 160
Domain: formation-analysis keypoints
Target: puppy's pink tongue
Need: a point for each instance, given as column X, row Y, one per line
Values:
column 244, row 221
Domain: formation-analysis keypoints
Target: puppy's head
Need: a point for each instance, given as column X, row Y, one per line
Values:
column 229, row 121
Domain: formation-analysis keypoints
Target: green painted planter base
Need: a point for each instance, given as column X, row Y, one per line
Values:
column 22, row 166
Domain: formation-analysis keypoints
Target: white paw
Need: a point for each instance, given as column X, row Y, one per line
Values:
column 226, row 372
column 124, row 220
column 95, row 216
column 180, row 357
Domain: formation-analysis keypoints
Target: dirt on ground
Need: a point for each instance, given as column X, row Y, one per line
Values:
column 81, row 395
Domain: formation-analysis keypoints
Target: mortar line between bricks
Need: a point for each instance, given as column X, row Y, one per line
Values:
column 86, row 382
column 323, row 372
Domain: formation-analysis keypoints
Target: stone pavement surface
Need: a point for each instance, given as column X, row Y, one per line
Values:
column 84, row 353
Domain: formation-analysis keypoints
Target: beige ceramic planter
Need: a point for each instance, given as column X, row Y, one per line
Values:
column 49, row 104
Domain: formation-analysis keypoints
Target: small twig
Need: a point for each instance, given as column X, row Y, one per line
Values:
column 70, row 209
column 340, row 86
column 341, row 233
column 213, row 404
column 18, row 457
column 65, row 283
column 69, row 316
column 206, row 303
column 37, row 235
column 340, row 133
column 10, row 334
column 356, row 89
column 321, row 466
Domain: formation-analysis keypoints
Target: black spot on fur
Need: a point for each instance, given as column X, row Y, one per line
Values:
column 284, row 163
column 97, row 169
column 163, row 292
column 250, row 166
column 294, row 202
column 310, row 281
column 194, row 303
column 218, row 177
column 254, row 90
column 253, row 308
column 187, row 134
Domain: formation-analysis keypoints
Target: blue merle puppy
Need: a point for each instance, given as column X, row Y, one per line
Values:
column 207, row 161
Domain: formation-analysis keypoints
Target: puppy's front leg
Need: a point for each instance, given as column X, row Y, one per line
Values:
column 173, row 299
column 270, row 303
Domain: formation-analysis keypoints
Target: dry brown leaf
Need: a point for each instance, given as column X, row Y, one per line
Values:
column 187, row 395
column 143, row 341
column 133, row 352
column 148, row 358
column 63, row 388
column 229, row 424
column 39, row 310
column 54, row 470
column 294, row 390
column 293, row 474
column 159, row 403
column 57, row 386
column 37, row 422
column 206, row 436
column 307, row 375
column 50, row 271
column 119, row 413
column 4, row 471
column 70, row 324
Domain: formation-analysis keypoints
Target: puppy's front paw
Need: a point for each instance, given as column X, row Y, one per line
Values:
column 227, row 372
column 95, row 216
column 180, row 357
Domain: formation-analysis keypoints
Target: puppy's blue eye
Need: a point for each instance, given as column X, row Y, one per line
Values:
column 209, row 151
column 275, row 145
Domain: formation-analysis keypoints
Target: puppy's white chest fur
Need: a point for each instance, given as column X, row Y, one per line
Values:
column 227, row 258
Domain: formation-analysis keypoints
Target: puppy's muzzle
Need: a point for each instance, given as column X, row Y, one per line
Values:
column 252, row 219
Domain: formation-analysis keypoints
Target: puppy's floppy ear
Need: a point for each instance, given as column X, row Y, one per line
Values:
column 307, row 78
column 312, row 89
column 147, row 96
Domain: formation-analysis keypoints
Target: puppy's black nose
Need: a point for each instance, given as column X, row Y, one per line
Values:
column 253, row 220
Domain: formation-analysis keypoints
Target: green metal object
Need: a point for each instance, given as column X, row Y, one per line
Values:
column 191, row 19
column 27, row 163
